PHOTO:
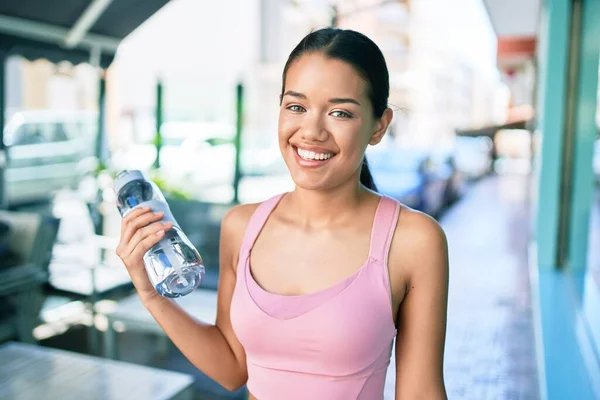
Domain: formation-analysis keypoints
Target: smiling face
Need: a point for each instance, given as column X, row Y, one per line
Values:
column 326, row 122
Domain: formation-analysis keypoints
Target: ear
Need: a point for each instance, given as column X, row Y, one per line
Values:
column 381, row 126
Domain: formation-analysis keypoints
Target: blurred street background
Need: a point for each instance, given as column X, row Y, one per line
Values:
column 495, row 134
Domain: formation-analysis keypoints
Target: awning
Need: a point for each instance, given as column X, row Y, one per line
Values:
column 490, row 131
column 515, row 23
column 514, row 18
column 70, row 30
column 66, row 30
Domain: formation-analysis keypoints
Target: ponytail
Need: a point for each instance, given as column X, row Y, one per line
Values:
column 366, row 179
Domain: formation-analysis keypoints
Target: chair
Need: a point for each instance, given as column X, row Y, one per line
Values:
column 31, row 238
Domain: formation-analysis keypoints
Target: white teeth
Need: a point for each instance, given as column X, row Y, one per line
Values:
column 311, row 155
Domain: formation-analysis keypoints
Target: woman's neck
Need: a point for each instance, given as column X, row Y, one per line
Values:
column 319, row 208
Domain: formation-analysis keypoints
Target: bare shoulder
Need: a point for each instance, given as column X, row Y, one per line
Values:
column 419, row 245
column 419, row 230
column 237, row 218
column 233, row 227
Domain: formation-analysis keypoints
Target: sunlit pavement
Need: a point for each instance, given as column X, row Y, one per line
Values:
column 490, row 342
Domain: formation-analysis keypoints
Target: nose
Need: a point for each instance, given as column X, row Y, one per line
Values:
column 313, row 128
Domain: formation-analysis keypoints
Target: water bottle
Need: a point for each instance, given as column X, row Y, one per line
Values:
column 174, row 266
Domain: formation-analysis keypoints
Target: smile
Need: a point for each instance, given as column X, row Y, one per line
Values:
column 310, row 155
column 312, row 159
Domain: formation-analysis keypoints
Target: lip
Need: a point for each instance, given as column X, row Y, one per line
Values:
column 311, row 163
column 315, row 149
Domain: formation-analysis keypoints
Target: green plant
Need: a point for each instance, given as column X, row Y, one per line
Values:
column 168, row 189
column 216, row 141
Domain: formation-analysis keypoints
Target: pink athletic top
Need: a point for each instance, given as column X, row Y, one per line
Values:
column 333, row 344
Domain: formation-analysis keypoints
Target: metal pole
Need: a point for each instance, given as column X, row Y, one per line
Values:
column 95, row 55
column 159, row 121
column 93, row 339
column 101, row 137
column 335, row 16
column 570, row 109
column 586, row 131
column 552, row 91
column 2, row 97
column 238, row 141
column 3, row 150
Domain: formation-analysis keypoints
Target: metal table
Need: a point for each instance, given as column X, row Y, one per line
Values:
column 31, row 372
column 131, row 315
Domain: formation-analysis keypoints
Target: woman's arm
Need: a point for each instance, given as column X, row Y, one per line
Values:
column 213, row 349
column 423, row 256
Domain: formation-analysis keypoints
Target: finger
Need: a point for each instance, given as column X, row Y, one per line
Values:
column 141, row 221
column 150, row 230
column 132, row 216
column 146, row 243
column 138, row 236
column 135, row 213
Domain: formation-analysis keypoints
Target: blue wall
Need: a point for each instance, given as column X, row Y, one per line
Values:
column 566, row 297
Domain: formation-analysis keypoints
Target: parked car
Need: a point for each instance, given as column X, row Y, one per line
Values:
column 180, row 142
column 252, row 189
column 413, row 176
column 204, row 166
column 473, row 156
column 262, row 168
column 47, row 151
column 445, row 161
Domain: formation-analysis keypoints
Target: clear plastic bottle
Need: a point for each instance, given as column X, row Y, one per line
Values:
column 174, row 266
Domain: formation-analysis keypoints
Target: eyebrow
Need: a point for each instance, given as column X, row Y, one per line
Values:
column 339, row 100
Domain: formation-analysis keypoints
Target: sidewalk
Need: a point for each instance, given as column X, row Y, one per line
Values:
column 490, row 342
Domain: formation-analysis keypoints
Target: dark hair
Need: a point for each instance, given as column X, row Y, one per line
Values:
column 367, row 59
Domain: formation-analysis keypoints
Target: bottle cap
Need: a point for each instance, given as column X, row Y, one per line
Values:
column 124, row 177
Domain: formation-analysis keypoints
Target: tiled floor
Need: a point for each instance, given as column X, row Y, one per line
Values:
column 490, row 345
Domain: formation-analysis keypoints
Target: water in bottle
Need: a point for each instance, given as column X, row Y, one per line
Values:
column 174, row 266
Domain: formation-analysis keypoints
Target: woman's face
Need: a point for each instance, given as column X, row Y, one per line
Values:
column 325, row 122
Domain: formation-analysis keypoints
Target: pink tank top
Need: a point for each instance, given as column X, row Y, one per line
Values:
column 334, row 344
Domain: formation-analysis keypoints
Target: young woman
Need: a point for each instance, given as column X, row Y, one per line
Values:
column 316, row 284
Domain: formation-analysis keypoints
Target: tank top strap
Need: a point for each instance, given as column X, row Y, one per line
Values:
column 384, row 227
column 257, row 221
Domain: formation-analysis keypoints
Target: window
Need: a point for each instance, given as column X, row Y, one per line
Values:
column 28, row 134
column 59, row 133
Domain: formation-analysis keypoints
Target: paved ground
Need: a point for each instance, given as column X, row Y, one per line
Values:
column 489, row 349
